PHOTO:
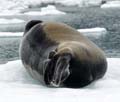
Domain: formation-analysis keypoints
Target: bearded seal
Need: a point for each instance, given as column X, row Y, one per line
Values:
column 58, row 55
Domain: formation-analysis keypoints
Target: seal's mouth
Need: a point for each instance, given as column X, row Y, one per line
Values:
column 57, row 70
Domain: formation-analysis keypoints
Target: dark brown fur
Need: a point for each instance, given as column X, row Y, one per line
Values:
column 88, row 62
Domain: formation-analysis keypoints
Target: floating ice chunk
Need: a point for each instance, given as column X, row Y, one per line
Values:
column 11, row 7
column 49, row 10
column 33, row 13
column 111, row 4
column 94, row 2
column 14, row 7
column 95, row 32
column 11, row 34
column 9, row 13
column 10, row 21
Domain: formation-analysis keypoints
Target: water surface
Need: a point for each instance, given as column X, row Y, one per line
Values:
column 77, row 18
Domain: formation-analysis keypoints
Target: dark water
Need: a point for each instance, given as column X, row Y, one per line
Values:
column 77, row 18
column 9, row 49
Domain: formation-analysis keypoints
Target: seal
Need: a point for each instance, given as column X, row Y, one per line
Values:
column 59, row 56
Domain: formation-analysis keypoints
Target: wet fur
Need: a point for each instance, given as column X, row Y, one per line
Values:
column 88, row 62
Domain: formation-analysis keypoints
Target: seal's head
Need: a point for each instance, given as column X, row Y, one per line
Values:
column 57, row 68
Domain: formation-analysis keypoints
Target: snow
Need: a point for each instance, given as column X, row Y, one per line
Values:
column 49, row 10
column 17, row 85
column 111, row 4
column 10, row 21
column 94, row 32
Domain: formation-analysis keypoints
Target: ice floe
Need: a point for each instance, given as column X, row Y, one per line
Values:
column 17, row 85
column 13, row 7
column 94, row 32
column 49, row 10
column 111, row 4
column 10, row 21
column 11, row 34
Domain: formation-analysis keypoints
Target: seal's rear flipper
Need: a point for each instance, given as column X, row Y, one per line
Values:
column 30, row 24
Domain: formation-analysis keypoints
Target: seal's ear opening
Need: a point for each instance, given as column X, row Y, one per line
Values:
column 30, row 24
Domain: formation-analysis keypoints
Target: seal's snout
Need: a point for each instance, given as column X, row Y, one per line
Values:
column 61, row 70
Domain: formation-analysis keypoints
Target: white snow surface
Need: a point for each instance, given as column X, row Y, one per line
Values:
column 10, row 21
column 16, row 85
column 49, row 10
column 111, row 4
